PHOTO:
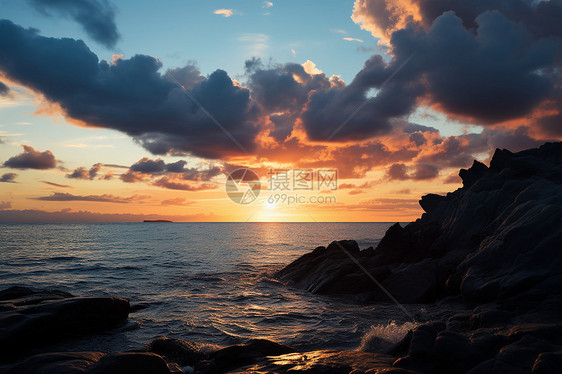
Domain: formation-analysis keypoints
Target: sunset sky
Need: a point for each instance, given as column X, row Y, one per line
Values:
column 130, row 110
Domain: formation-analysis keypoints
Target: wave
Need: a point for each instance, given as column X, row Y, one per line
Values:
column 382, row 336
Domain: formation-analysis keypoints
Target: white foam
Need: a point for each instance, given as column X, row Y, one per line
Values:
column 382, row 336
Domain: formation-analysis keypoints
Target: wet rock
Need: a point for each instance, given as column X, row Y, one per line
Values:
column 41, row 322
column 324, row 362
column 423, row 338
column 92, row 362
column 176, row 350
column 236, row 356
column 547, row 363
column 525, row 352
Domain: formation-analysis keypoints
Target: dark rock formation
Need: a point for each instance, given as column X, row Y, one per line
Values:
column 35, row 318
column 495, row 239
column 494, row 244
column 93, row 363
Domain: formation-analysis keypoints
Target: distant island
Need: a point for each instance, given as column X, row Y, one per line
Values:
column 157, row 220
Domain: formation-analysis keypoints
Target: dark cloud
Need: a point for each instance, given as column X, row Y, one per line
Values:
column 281, row 93
column 59, row 196
column 130, row 95
column 83, row 173
column 97, row 17
column 4, row 90
column 352, row 113
column 8, row 178
column 56, row 184
column 491, row 62
column 414, row 127
column 32, row 159
column 419, row 172
column 424, row 172
column 540, row 17
column 397, row 172
column 147, row 168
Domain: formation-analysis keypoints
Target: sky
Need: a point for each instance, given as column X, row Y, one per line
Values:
column 131, row 110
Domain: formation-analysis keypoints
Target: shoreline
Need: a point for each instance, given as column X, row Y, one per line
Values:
column 491, row 246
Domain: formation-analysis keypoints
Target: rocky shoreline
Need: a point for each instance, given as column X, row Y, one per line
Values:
column 493, row 246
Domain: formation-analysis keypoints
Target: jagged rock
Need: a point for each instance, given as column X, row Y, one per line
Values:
column 41, row 318
column 495, row 239
column 470, row 176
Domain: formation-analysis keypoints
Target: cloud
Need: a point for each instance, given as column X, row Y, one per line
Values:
column 419, row 172
column 267, row 4
column 225, row 12
column 353, row 39
column 97, row 17
column 177, row 201
column 132, row 96
column 32, row 159
column 356, row 189
column 8, row 178
column 56, row 184
column 483, row 62
column 177, row 184
column 453, row 178
column 5, row 205
column 4, row 90
column 145, row 169
column 83, row 173
column 66, row 215
column 59, row 196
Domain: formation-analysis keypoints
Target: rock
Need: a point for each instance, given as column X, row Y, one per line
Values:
column 496, row 239
column 423, row 338
column 92, row 362
column 547, row 363
column 41, row 322
column 236, row 356
column 430, row 202
column 17, row 296
column 450, row 350
column 410, row 283
column 176, row 350
column 525, row 352
column 470, row 176
column 324, row 362
column 347, row 245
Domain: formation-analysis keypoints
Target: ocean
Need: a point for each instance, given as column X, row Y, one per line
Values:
column 205, row 282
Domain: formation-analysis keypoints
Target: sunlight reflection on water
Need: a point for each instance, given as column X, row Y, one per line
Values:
column 208, row 282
